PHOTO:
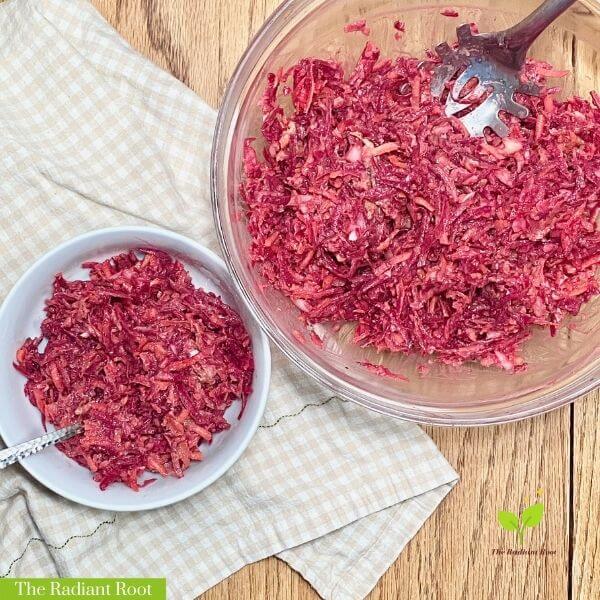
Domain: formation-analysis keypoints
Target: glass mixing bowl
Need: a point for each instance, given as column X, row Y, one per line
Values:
column 560, row 368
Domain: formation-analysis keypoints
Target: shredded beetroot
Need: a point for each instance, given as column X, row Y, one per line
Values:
column 423, row 370
column 400, row 27
column 449, row 12
column 370, row 206
column 382, row 371
column 360, row 25
column 144, row 360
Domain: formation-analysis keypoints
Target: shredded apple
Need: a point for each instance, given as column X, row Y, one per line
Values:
column 144, row 360
column 369, row 205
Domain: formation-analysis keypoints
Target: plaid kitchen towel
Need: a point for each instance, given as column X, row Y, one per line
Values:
column 94, row 135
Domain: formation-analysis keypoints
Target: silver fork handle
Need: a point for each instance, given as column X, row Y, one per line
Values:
column 15, row 453
column 524, row 33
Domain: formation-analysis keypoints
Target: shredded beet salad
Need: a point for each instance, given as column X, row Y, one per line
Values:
column 368, row 205
column 144, row 360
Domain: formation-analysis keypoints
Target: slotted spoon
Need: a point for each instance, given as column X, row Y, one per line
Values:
column 494, row 61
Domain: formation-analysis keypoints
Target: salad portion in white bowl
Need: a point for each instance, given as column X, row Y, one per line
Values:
column 138, row 334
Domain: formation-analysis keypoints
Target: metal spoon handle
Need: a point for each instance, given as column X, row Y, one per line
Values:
column 15, row 453
column 524, row 33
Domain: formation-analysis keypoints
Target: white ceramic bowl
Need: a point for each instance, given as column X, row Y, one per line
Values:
column 20, row 317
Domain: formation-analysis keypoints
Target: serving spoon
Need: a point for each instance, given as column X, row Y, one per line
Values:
column 15, row 453
column 495, row 61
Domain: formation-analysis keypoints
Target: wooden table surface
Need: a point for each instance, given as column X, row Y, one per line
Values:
column 200, row 41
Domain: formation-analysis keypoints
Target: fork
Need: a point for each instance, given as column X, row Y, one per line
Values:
column 15, row 453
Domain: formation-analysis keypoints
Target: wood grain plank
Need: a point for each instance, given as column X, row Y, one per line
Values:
column 501, row 468
column 586, row 499
column 585, row 549
column 200, row 41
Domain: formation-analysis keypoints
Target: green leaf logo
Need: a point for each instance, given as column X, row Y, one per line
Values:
column 530, row 517
column 508, row 520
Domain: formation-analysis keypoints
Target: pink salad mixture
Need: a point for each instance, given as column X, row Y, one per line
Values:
column 144, row 360
column 366, row 204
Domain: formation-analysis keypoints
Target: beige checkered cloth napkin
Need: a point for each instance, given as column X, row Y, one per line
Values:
column 93, row 135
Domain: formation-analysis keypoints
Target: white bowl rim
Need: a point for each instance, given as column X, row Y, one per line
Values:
column 262, row 356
